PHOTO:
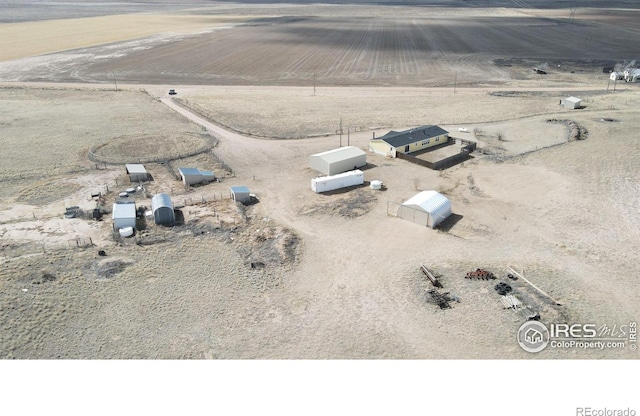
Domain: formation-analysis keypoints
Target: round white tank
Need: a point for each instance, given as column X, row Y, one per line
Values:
column 126, row 231
column 376, row 184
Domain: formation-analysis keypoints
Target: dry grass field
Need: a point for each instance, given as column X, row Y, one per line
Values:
column 305, row 275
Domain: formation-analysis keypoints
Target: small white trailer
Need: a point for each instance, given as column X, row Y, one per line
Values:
column 341, row 180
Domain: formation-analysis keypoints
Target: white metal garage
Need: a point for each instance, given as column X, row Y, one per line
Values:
column 338, row 160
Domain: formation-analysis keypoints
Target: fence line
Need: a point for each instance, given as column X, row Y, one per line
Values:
column 469, row 146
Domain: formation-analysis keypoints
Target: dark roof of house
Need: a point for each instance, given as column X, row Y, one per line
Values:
column 418, row 134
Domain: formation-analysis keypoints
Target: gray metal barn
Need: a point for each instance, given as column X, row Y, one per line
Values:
column 136, row 172
column 338, row 160
column 163, row 209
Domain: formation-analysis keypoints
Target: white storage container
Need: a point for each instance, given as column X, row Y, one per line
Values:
column 342, row 180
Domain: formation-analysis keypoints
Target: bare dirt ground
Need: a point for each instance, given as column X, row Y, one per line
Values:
column 303, row 275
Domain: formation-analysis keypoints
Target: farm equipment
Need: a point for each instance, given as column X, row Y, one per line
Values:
column 441, row 299
column 480, row 274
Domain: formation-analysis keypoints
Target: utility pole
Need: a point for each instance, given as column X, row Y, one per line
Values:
column 348, row 135
column 314, row 84
column 455, row 82
column 114, row 79
column 340, row 131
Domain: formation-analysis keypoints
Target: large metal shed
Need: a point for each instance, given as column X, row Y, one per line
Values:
column 136, row 172
column 192, row 176
column 163, row 209
column 124, row 215
column 338, row 160
column 428, row 208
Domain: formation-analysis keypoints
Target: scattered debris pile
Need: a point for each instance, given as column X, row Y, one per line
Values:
column 433, row 295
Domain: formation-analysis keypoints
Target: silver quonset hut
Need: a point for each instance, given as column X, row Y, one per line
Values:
column 163, row 209
column 338, row 160
column 192, row 176
column 428, row 208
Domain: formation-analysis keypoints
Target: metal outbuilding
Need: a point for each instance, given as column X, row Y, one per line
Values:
column 137, row 172
column 338, row 160
column 192, row 176
column 241, row 194
column 162, row 208
column 428, row 208
column 124, row 215
column 571, row 102
column 614, row 76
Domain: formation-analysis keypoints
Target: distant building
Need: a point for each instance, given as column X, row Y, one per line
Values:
column 571, row 102
column 428, row 208
column 338, row 160
column 162, row 208
column 241, row 194
column 409, row 141
column 137, row 172
column 124, row 215
column 192, row 176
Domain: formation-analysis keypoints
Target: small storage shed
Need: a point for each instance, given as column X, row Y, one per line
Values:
column 162, row 208
column 571, row 102
column 137, row 172
column 124, row 215
column 240, row 194
column 428, row 208
column 338, row 160
column 614, row 76
column 192, row 176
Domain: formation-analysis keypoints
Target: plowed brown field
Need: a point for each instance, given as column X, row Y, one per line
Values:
column 324, row 45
